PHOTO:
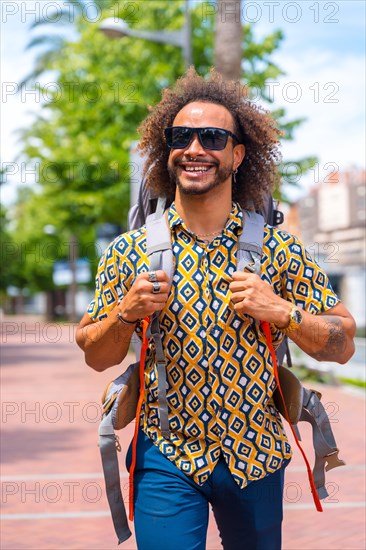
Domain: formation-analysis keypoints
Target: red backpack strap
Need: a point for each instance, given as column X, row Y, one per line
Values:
column 145, row 344
column 267, row 332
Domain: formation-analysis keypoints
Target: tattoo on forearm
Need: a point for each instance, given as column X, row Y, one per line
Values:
column 336, row 341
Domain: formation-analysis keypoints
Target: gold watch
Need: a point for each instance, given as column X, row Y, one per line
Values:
column 294, row 322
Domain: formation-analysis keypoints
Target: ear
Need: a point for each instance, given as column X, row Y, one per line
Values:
column 239, row 154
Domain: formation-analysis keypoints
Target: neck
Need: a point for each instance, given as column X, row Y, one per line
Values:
column 204, row 214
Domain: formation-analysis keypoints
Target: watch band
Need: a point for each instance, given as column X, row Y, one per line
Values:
column 294, row 322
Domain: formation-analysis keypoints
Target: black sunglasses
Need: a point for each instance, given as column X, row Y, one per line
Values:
column 179, row 137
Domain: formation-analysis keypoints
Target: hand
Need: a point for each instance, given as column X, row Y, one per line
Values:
column 140, row 301
column 254, row 297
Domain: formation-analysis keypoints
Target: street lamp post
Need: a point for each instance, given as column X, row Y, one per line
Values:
column 73, row 259
column 114, row 27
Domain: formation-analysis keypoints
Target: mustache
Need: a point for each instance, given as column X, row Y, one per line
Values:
column 199, row 161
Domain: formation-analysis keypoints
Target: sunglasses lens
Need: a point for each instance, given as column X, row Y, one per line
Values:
column 179, row 137
column 213, row 138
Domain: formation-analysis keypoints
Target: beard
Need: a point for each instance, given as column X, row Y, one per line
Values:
column 222, row 174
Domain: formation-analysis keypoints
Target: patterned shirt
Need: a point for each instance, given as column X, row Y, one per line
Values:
column 220, row 376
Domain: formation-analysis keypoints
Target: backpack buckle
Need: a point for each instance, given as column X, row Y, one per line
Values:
column 253, row 266
column 250, row 267
column 333, row 461
column 278, row 217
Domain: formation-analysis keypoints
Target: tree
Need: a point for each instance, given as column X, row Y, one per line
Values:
column 100, row 94
column 9, row 258
column 228, row 39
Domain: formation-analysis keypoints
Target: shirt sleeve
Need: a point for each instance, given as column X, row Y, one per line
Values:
column 123, row 259
column 295, row 276
column 303, row 282
column 108, row 288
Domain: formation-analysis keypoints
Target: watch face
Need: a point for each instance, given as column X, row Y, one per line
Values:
column 297, row 317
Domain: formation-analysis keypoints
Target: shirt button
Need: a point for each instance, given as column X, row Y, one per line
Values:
column 207, row 292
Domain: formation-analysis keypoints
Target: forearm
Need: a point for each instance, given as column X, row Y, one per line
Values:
column 105, row 343
column 325, row 337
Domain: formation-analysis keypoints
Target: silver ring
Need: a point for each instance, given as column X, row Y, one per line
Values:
column 156, row 287
column 152, row 276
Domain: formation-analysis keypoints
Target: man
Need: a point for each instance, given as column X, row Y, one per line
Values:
column 212, row 152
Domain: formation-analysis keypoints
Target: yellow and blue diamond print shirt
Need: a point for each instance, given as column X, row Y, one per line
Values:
column 219, row 369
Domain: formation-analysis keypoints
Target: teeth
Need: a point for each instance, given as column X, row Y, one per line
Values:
column 196, row 168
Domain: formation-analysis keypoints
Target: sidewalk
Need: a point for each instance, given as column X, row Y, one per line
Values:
column 52, row 488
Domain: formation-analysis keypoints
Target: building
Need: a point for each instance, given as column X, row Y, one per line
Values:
column 330, row 220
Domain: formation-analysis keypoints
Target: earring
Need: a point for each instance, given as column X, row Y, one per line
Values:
column 234, row 172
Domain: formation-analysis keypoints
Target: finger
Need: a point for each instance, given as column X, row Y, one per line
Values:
column 237, row 297
column 241, row 275
column 152, row 276
column 240, row 307
column 160, row 288
column 162, row 276
column 237, row 286
column 158, row 275
column 156, row 287
column 145, row 287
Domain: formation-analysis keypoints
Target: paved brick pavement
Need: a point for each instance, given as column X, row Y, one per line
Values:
column 52, row 489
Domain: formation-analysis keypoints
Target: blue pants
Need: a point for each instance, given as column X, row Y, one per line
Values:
column 171, row 510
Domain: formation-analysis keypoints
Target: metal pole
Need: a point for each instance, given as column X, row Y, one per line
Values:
column 117, row 28
column 73, row 256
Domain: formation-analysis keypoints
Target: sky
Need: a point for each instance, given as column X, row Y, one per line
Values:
column 322, row 54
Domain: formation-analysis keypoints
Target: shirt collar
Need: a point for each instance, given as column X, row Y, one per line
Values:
column 233, row 226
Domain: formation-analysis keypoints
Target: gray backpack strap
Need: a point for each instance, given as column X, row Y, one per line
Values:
column 325, row 447
column 251, row 242
column 108, row 446
column 159, row 241
column 154, row 332
column 108, row 451
column 159, row 252
column 304, row 405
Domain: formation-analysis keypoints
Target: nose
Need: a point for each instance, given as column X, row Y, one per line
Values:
column 194, row 148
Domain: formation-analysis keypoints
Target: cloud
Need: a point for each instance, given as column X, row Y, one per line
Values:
column 330, row 92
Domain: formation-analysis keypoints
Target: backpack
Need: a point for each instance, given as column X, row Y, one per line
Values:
column 122, row 398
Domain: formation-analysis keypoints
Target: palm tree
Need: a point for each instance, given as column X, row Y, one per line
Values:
column 66, row 19
column 228, row 39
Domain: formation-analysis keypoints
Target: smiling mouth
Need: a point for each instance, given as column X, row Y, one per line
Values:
column 196, row 168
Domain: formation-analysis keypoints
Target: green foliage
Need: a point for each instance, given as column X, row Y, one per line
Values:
column 8, row 247
column 101, row 90
column 41, row 237
column 257, row 64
